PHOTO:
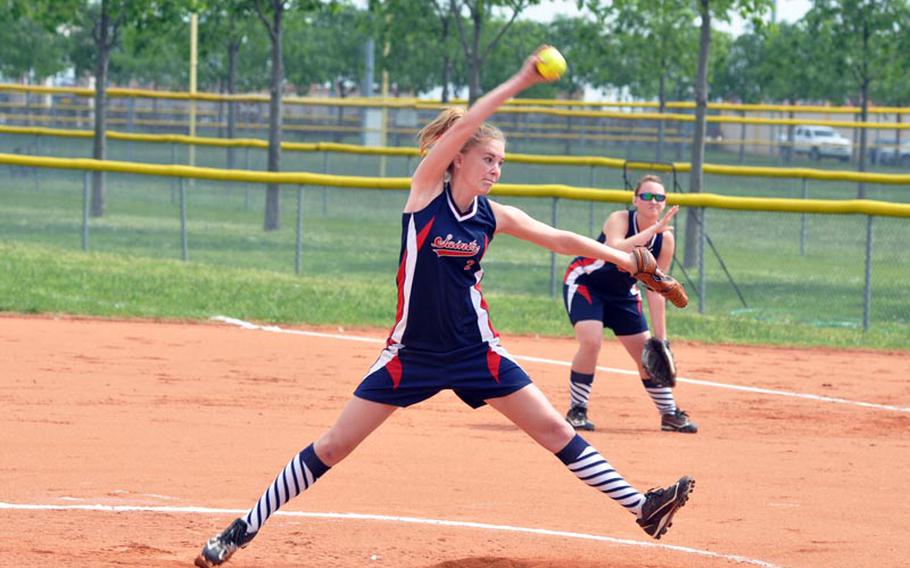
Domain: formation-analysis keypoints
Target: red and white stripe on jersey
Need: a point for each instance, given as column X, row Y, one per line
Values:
column 577, row 269
column 389, row 359
column 487, row 332
column 405, row 278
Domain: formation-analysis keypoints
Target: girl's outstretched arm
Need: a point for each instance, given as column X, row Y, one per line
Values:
column 513, row 221
column 429, row 174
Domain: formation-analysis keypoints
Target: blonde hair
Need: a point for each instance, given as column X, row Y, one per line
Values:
column 646, row 179
column 444, row 121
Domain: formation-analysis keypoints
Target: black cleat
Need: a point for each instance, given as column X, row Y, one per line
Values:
column 578, row 418
column 677, row 422
column 220, row 547
column 661, row 504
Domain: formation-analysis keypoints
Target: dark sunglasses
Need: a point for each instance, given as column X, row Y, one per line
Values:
column 648, row 196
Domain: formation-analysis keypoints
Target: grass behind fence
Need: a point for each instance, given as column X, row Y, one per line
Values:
column 43, row 279
column 351, row 238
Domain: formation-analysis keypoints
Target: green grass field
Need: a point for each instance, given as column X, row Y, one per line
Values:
column 45, row 279
column 351, row 245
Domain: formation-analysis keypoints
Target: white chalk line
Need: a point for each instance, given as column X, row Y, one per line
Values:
column 393, row 519
column 756, row 390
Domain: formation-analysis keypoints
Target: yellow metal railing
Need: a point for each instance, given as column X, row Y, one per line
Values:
column 413, row 101
column 538, row 106
column 591, row 161
column 837, row 207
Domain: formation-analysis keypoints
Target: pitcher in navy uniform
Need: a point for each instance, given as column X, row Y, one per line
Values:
column 597, row 294
column 443, row 337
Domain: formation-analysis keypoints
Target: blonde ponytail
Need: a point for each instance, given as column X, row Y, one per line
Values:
column 439, row 125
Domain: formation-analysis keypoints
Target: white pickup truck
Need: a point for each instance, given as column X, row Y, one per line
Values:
column 817, row 142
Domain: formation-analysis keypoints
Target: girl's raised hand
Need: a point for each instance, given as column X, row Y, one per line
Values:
column 529, row 73
column 663, row 225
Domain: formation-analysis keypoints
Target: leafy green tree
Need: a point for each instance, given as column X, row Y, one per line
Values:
column 509, row 53
column 790, row 70
column 653, row 45
column 152, row 55
column 577, row 38
column 421, row 44
column 739, row 71
column 272, row 13
column 722, row 10
column 232, row 47
column 445, row 16
column 96, row 30
column 32, row 49
column 327, row 47
column 864, row 34
column 472, row 17
column 893, row 87
column 591, row 53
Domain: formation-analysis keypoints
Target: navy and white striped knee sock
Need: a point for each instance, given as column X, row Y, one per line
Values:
column 580, row 388
column 662, row 396
column 301, row 472
column 589, row 466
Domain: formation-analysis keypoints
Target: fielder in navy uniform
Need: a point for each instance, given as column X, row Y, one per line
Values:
column 443, row 337
column 598, row 294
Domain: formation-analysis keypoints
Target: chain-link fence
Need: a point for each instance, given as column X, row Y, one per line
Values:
column 825, row 269
column 583, row 129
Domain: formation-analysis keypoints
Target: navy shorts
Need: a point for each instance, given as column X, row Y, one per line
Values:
column 622, row 314
column 402, row 377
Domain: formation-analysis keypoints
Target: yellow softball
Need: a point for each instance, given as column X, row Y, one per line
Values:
column 551, row 64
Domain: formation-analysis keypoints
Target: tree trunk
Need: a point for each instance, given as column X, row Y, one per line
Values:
column 698, row 136
column 99, row 147
column 475, row 62
column 742, row 139
column 661, row 109
column 272, row 220
column 342, row 93
column 864, row 114
column 788, row 151
column 446, row 61
column 897, row 151
column 233, row 48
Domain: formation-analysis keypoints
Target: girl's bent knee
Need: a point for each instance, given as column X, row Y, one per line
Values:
column 332, row 450
column 589, row 346
column 555, row 435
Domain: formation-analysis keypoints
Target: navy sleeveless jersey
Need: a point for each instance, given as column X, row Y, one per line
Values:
column 604, row 277
column 440, row 304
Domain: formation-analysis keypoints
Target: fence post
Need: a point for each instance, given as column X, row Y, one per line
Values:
column 37, row 171
column 174, row 181
column 742, row 139
column 802, row 220
column 325, row 190
column 867, row 295
column 553, row 220
column 85, row 209
column 246, row 188
column 184, row 242
column 298, row 242
column 591, row 208
column 702, row 232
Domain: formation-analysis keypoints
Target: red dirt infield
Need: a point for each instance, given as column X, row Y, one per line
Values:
column 127, row 443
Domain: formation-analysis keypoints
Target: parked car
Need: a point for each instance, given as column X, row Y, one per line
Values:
column 818, row 142
column 891, row 154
